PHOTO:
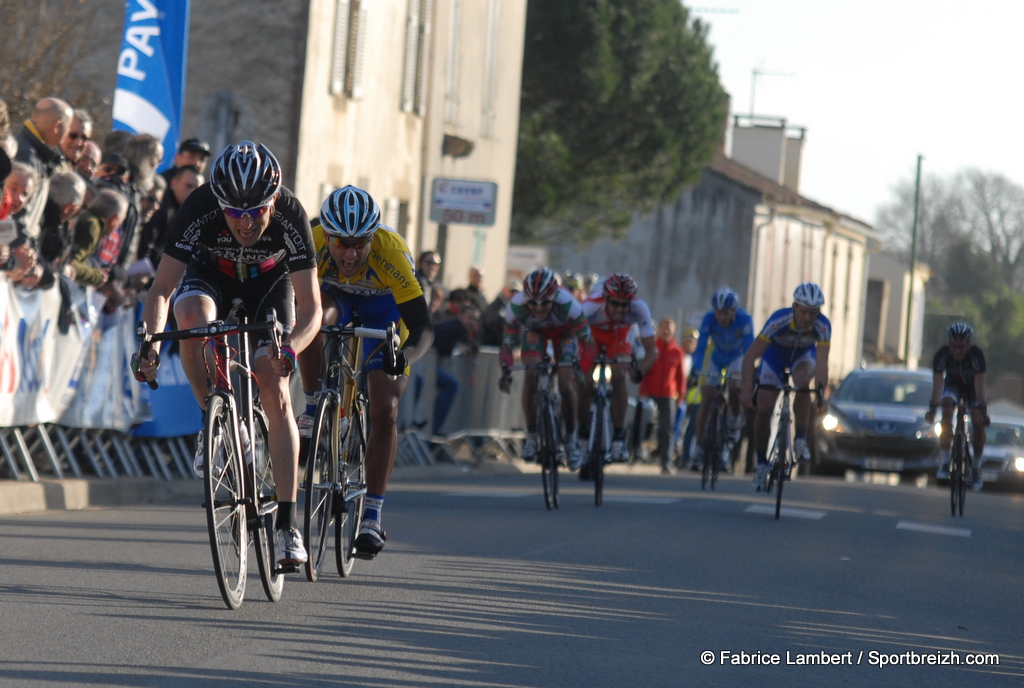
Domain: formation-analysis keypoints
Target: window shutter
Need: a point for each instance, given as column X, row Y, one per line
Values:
column 423, row 63
column 340, row 55
column 357, row 49
column 409, row 66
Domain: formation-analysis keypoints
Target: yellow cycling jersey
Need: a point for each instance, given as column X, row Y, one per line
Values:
column 388, row 270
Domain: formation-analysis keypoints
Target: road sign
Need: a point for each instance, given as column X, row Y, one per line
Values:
column 463, row 202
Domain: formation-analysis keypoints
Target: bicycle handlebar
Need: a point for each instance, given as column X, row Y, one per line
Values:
column 218, row 328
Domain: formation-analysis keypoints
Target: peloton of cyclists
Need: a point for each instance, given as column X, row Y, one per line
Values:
column 796, row 338
column 542, row 313
column 611, row 313
column 726, row 333
column 367, row 270
column 958, row 371
column 242, row 235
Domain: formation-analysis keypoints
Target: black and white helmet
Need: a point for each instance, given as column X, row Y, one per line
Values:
column 810, row 295
column 960, row 331
column 350, row 213
column 246, row 175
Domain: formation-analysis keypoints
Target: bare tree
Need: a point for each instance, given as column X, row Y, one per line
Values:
column 59, row 48
column 980, row 210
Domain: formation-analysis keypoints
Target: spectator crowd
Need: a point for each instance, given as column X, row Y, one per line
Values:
column 77, row 213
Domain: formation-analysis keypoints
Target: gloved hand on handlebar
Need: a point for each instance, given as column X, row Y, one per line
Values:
column 400, row 363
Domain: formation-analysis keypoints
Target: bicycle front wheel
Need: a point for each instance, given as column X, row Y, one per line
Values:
column 225, row 501
column 349, row 508
column 548, row 453
column 958, row 476
column 598, row 451
column 708, row 473
column 319, row 484
column 264, row 535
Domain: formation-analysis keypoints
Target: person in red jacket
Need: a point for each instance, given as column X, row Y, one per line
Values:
column 665, row 383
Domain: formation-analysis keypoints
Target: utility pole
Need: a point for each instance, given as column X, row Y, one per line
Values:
column 913, row 262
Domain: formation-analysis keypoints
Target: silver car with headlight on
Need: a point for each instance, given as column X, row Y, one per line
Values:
column 875, row 422
column 1003, row 460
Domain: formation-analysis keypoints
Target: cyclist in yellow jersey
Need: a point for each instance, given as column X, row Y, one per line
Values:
column 367, row 271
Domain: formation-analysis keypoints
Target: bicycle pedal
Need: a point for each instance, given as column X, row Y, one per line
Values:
column 286, row 568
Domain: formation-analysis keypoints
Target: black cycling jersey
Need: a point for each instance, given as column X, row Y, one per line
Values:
column 959, row 375
column 200, row 232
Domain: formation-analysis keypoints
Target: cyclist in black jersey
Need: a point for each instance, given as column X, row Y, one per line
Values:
column 242, row 235
column 958, row 370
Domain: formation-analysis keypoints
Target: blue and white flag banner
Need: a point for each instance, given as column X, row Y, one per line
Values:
column 151, row 66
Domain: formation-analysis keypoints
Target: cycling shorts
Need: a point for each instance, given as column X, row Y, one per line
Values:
column 710, row 377
column 954, row 392
column 259, row 294
column 770, row 374
column 563, row 340
column 615, row 343
column 376, row 311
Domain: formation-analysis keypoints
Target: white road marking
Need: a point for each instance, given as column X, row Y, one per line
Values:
column 937, row 530
column 501, row 495
column 786, row 511
column 640, row 500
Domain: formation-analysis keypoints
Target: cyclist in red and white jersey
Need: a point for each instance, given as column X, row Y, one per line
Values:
column 540, row 314
column 611, row 313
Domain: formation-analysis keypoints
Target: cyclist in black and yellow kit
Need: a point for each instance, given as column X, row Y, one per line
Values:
column 958, row 371
column 366, row 269
column 244, row 236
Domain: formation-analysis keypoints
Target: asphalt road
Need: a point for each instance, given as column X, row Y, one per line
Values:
column 481, row 586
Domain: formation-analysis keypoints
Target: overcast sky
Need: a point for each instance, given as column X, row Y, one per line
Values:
column 875, row 83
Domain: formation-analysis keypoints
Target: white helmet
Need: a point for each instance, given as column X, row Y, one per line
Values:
column 809, row 294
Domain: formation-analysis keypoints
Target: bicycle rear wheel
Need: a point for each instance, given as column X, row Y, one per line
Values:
column 349, row 508
column 225, row 502
column 264, row 535
column 319, row 484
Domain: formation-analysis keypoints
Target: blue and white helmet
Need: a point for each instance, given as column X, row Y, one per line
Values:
column 725, row 298
column 350, row 213
column 810, row 295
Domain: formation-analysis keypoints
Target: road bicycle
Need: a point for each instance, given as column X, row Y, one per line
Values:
column 960, row 462
column 335, row 478
column 240, row 498
column 599, row 442
column 717, row 442
column 550, row 451
column 781, row 458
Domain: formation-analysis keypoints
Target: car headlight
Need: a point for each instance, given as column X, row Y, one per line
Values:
column 938, row 429
column 1018, row 463
column 830, row 423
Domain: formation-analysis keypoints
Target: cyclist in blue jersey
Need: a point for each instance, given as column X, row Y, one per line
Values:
column 796, row 338
column 726, row 333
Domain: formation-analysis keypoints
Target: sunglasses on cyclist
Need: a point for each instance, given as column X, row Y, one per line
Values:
column 618, row 304
column 537, row 304
column 239, row 213
column 346, row 244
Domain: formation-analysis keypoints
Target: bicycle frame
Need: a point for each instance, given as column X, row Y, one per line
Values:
column 239, row 491
column 960, row 460
column 334, row 485
column 714, row 431
column 781, row 457
column 549, row 432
